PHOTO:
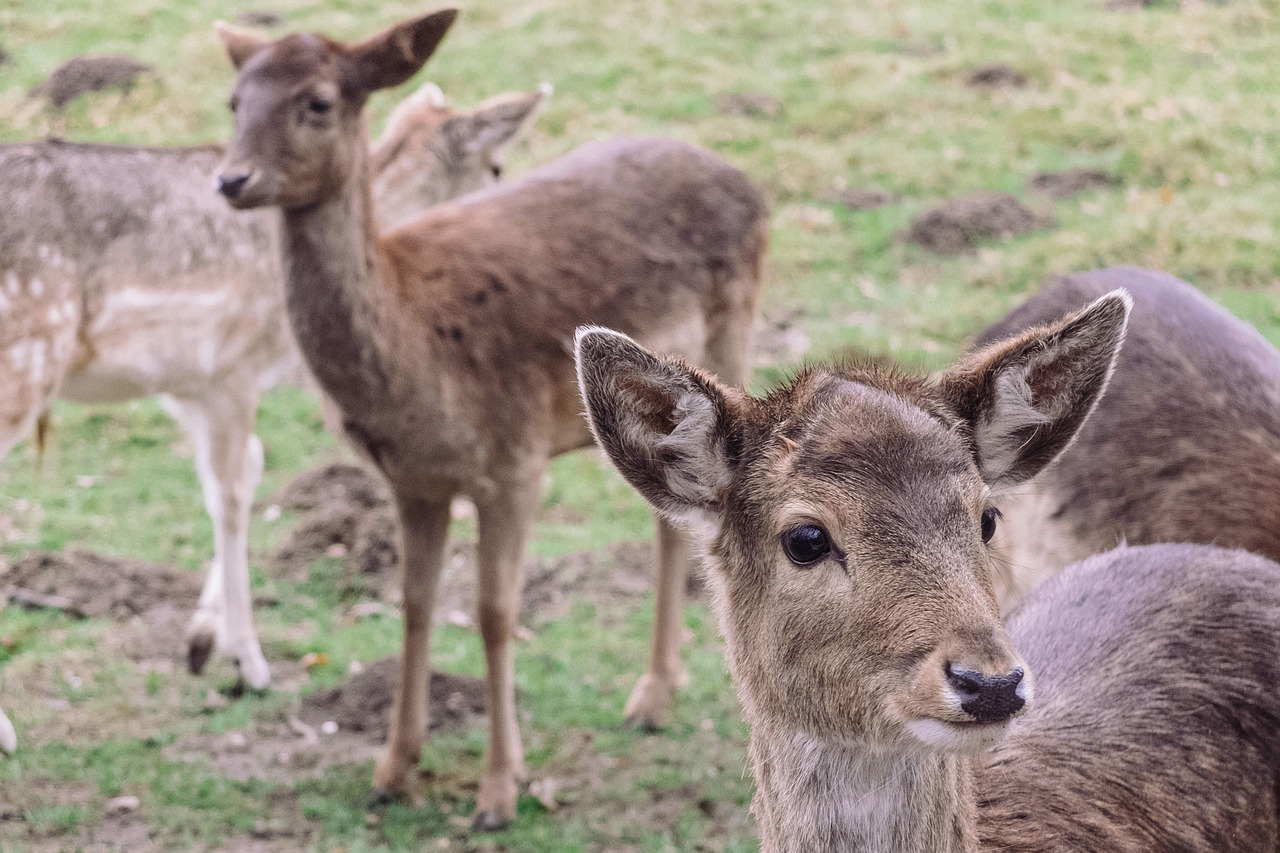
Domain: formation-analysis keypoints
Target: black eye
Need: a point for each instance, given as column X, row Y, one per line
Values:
column 233, row 104
column 319, row 106
column 806, row 545
column 989, row 516
column 497, row 170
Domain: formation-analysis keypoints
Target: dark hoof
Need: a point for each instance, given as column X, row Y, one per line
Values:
column 199, row 650
column 489, row 822
column 379, row 798
column 642, row 723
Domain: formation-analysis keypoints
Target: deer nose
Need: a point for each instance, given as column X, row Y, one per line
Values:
column 231, row 185
column 987, row 698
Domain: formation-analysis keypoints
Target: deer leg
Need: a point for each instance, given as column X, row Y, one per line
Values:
column 504, row 526
column 650, row 701
column 8, row 737
column 228, row 458
column 424, row 529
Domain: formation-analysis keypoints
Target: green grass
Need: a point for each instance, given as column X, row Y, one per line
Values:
column 1180, row 103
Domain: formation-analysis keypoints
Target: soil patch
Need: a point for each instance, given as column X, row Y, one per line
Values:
column 863, row 199
column 997, row 75
column 959, row 225
column 338, row 483
column 749, row 105
column 83, row 74
column 1070, row 182
column 99, row 586
column 260, row 18
column 363, row 702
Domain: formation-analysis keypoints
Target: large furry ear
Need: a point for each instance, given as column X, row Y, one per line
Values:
column 393, row 56
column 495, row 122
column 1024, row 399
column 240, row 44
column 662, row 423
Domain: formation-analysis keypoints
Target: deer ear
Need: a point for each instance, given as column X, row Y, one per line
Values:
column 495, row 122
column 1024, row 399
column 663, row 424
column 393, row 56
column 240, row 44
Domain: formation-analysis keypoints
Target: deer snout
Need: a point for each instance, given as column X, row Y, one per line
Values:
column 987, row 698
column 231, row 182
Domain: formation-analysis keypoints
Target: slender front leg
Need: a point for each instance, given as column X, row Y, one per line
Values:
column 504, row 527
column 424, row 530
column 8, row 737
column 228, row 458
column 650, row 702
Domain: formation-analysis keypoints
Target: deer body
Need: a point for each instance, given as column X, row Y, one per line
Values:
column 848, row 518
column 447, row 344
column 1184, row 448
column 126, row 276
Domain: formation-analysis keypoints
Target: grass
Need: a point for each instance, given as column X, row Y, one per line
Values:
column 1179, row 103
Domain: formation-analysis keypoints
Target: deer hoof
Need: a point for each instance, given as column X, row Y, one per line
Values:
column 254, row 670
column 379, row 798
column 650, row 703
column 200, row 645
column 490, row 820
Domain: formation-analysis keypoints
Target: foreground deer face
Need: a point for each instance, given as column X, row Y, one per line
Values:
column 849, row 514
column 298, row 105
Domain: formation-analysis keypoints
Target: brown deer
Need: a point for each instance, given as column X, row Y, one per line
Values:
column 1185, row 447
column 847, row 517
column 126, row 275
column 447, row 343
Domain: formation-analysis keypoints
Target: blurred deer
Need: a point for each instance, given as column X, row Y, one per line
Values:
column 447, row 343
column 847, row 518
column 1185, row 447
column 126, row 275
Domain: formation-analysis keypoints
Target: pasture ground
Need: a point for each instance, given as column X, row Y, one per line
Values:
column 855, row 117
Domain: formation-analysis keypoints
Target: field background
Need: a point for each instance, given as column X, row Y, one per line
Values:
column 1181, row 103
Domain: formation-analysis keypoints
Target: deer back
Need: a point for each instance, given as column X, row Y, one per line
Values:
column 1156, row 725
column 1184, row 446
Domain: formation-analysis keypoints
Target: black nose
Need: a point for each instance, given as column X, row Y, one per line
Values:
column 987, row 698
column 230, row 185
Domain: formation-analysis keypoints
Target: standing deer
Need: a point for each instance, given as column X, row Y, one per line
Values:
column 847, row 519
column 125, row 275
column 1184, row 448
column 447, row 343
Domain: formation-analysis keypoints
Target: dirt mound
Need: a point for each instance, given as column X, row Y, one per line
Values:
column 997, row 75
column 863, row 199
column 260, row 18
column 338, row 483
column 103, row 586
column 82, row 74
column 960, row 224
column 363, row 702
column 749, row 105
column 1070, row 182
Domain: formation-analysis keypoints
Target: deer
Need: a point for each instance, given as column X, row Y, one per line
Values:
column 127, row 276
column 846, row 520
column 1185, row 448
column 447, row 344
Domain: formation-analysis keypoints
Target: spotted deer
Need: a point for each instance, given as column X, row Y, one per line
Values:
column 846, row 520
column 125, row 275
column 447, row 343
column 1184, row 448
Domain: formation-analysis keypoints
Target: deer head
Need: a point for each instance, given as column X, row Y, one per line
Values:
column 847, row 516
column 299, row 108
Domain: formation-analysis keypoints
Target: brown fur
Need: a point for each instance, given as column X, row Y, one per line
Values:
column 447, row 345
column 126, row 276
column 1184, row 447
column 1154, row 716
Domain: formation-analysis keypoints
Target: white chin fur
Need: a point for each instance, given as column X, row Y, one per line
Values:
column 953, row 738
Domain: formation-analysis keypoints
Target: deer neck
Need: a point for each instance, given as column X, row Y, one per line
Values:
column 335, row 290
column 814, row 795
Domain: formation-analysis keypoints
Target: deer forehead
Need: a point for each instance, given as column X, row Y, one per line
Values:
column 292, row 62
column 864, row 452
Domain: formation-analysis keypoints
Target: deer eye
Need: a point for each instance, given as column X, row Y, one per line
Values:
column 233, row 104
column 806, row 544
column 496, row 169
column 319, row 106
column 989, row 517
